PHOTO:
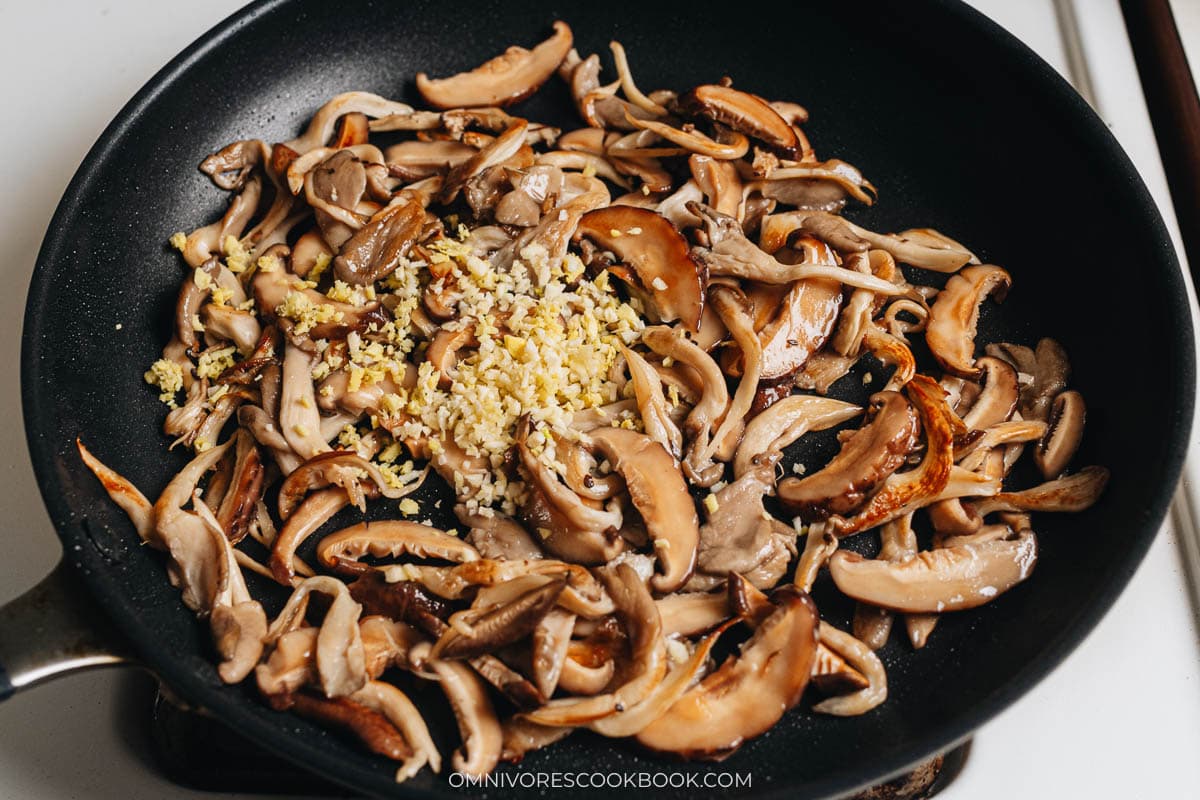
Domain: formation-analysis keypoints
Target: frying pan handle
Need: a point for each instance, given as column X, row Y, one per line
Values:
column 52, row 630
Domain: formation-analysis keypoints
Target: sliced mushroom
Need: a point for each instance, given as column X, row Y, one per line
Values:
column 1072, row 493
column 942, row 255
column 1050, row 372
column 947, row 579
column 998, row 399
column 344, row 468
column 500, row 150
column 705, row 414
column 476, row 717
column 127, row 496
column 783, row 423
column 652, row 403
column 502, row 81
column 950, row 333
column 748, row 694
column 735, row 145
column 315, row 511
column 818, row 186
column 906, row 491
column 739, row 535
column 370, row 727
column 659, row 493
column 548, row 645
column 658, row 254
column 343, row 550
column 340, row 659
column 636, row 718
column 500, row 626
column 1063, row 435
column 374, row 252
column 736, row 256
column 691, row 613
column 867, row 458
column 862, row 660
column 819, row 545
column 720, row 183
column 385, row 699
column 744, row 113
column 639, row 617
column 498, row 537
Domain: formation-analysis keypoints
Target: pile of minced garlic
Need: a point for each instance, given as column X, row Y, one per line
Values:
column 548, row 340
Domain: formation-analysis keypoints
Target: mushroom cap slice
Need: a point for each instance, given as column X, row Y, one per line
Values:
column 744, row 113
column 748, row 694
column 660, row 494
column 933, row 581
column 907, row 491
column 508, row 78
column 868, row 456
column 390, row 537
column 657, row 252
column 1056, row 449
column 954, row 314
column 501, row 626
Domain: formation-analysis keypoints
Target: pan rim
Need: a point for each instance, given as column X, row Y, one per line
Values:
column 1028, row 67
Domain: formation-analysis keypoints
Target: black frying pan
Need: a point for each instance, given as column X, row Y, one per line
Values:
column 958, row 124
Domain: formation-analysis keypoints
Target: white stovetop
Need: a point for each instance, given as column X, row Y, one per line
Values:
column 1119, row 719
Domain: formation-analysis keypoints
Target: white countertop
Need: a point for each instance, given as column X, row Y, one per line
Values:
column 1098, row 727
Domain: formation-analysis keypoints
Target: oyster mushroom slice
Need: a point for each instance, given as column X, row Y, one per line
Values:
column 504, row 80
column 749, row 693
column 340, row 658
column 950, row 333
column 1063, row 435
column 1071, row 493
column 736, row 256
column 374, row 251
column 548, row 644
column 643, row 626
column 658, row 254
column 372, row 728
column 660, row 495
column 734, row 146
column 868, row 456
column 866, row 663
column 705, row 414
column 744, row 113
column 127, row 496
column 321, row 126
column 652, row 403
column 942, row 255
column 933, row 581
column 315, row 511
column 501, row 626
column 998, row 399
column 393, row 704
column 476, row 717
column 635, row 719
column 691, row 613
column 784, row 422
column 741, row 537
column 392, row 537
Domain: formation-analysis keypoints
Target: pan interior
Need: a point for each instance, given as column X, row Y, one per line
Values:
column 960, row 128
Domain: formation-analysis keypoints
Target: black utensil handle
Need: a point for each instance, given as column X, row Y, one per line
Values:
column 1174, row 110
column 55, row 629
